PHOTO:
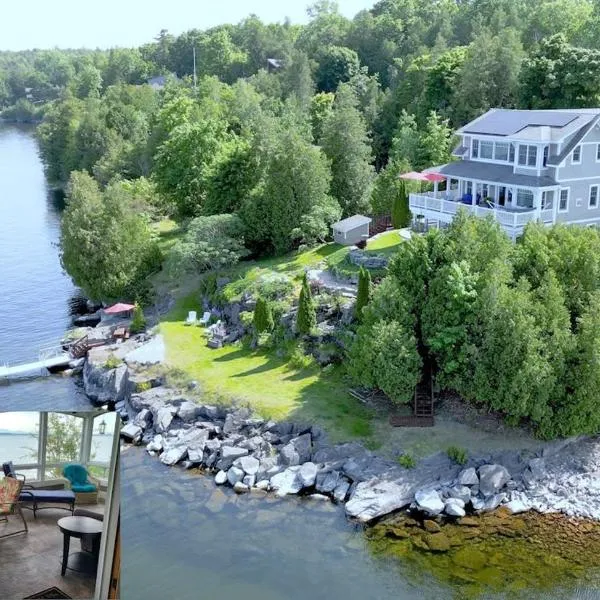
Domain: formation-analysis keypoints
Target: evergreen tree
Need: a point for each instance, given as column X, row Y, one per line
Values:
column 306, row 320
column 400, row 210
column 263, row 316
column 138, row 323
column 364, row 291
column 346, row 143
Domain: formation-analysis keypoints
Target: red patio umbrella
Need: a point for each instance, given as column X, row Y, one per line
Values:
column 118, row 308
column 414, row 176
column 435, row 177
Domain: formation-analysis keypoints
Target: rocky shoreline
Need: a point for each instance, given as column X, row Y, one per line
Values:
column 248, row 452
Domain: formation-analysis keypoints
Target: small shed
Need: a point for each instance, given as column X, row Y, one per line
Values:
column 351, row 230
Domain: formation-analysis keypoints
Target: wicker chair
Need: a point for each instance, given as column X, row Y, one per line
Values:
column 10, row 490
column 84, row 486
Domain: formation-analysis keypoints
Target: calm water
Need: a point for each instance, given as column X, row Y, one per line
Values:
column 185, row 538
column 35, row 295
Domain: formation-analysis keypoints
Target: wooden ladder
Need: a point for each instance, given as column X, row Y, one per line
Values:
column 80, row 348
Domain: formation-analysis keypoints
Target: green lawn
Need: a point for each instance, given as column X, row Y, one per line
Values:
column 386, row 243
column 263, row 380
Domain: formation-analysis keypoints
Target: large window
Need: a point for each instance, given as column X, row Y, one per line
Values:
column 524, row 199
column 527, row 155
column 598, row 153
column 475, row 149
column 501, row 151
column 19, row 441
column 486, row 150
column 593, row 203
column 563, row 204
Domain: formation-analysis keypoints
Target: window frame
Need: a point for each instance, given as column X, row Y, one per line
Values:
column 596, row 188
column 566, row 208
column 578, row 161
column 528, row 156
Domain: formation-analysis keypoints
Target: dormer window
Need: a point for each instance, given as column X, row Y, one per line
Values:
column 501, row 151
column 576, row 155
column 486, row 150
column 527, row 155
column 475, row 149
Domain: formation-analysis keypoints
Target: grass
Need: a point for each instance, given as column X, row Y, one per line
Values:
column 168, row 233
column 263, row 380
column 386, row 243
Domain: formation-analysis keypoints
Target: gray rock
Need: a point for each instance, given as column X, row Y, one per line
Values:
column 327, row 482
column 286, row 482
column 249, row 480
column 339, row 452
column 240, row 488
column 268, row 467
column 131, row 432
column 143, row 419
column 537, row 467
column 429, row 501
column 297, row 451
column 209, row 412
column 517, row 506
column 468, row 477
column 228, row 456
column 263, row 484
column 173, row 455
column 307, row 474
column 234, row 475
column 248, row 464
column 493, row 502
column 163, row 416
column 319, row 497
column 461, row 492
column 478, row 503
column 372, row 499
column 157, row 444
column 341, row 490
column 454, row 507
column 187, row 411
column 492, row 478
column 220, row 477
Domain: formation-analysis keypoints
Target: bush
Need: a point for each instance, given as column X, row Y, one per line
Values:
column 361, row 245
column 299, row 359
column 112, row 362
column 457, row 454
column 364, row 292
column 306, row 320
column 407, row 461
column 138, row 322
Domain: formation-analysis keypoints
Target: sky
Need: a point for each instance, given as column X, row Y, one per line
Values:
column 128, row 23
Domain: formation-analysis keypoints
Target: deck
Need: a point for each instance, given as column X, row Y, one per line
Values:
column 21, row 370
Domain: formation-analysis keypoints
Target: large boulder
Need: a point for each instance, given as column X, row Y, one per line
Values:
column 248, row 464
column 327, row 482
column 468, row 477
column 157, row 444
column 341, row 490
column 196, row 442
column 372, row 499
column 132, row 433
column 104, row 384
column 461, row 492
column 429, row 501
column 454, row 507
column 492, row 478
column 228, row 456
column 297, row 450
column 286, row 482
column 234, row 474
column 307, row 474
column 187, row 411
column 174, row 454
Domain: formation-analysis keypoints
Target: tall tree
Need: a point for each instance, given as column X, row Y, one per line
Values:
column 306, row 319
column 346, row 143
column 364, row 292
column 337, row 64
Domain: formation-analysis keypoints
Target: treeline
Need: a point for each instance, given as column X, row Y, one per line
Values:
column 283, row 148
column 512, row 327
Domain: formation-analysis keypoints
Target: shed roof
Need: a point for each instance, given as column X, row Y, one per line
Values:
column 351, row 223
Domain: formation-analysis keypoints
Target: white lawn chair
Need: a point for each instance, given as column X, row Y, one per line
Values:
column 191, row 318
column 205, row 318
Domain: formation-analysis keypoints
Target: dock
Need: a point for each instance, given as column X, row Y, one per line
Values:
column 55, row 362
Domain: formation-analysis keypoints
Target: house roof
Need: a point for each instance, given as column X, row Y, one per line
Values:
column 493, row 173
column 350, row 223
column 555, row 160
column 540, row 125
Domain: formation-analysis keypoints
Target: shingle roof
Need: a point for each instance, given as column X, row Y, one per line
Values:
column 350, row 223
column 493, row 173
column 509, row 122
column 555, row 160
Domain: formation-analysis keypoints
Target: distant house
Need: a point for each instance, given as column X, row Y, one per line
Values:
column 351, row 230
column 159, row 81
column 520, row 166
column 274, row 64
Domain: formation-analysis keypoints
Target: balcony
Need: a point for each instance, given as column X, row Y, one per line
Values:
column 443, row 208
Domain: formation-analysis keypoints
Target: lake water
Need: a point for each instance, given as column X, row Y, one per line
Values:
column 36, row 296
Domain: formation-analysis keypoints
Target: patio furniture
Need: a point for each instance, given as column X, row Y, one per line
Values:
column 121, row 333
column 33, row 497
column 191, row 318
column 88, row 543
column 205, row 318
column 10, row 490
column 80, row 527
column 9, row 471
column 86, row 490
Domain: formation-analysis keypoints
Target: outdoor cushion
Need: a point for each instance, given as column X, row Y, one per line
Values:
column 59, row 496
column 78, row 476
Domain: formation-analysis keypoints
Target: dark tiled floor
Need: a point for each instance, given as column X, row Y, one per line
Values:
column 30, row 562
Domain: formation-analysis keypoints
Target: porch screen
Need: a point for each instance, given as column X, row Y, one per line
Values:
column 524, row 199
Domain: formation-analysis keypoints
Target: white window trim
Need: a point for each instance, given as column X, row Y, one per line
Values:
column 518, row 165
column 573, row 161
column 590, row 207
column 598, row 153
column 566, row 209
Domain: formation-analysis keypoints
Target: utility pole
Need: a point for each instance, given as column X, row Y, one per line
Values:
column 194, row 68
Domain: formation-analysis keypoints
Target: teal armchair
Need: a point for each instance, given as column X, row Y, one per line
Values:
column 84, row 486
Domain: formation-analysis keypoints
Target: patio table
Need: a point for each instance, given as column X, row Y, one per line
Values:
column 78, row 527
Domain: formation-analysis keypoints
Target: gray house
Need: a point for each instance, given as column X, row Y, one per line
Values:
column 520, row 166
column 351, row 230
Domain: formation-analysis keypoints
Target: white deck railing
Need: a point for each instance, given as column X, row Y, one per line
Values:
column 511, row 219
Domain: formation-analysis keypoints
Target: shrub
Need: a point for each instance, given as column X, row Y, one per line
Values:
column 457, row 454
column 407, row 461
column 112, row 362
column 138, row 322
column 298, row 359
column 263, row 316
column 361, row 245
column 364, row 291
column 306, row 320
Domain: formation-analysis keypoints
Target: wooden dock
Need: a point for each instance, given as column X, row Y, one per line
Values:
column 54, row 362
